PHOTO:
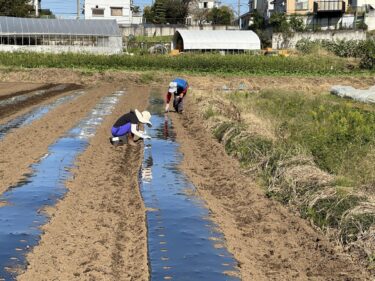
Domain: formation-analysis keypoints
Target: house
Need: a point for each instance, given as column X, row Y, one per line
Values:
column 198, row 10
column 36, row 5
column 316, row 14
column 363, row 5
column 299, row 7
column 119, row 10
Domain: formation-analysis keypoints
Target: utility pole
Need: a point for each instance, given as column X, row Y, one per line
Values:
column 239, row 13
column 36, row 7
column 78, row 9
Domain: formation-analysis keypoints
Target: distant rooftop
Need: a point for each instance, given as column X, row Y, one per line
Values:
column 22, row 26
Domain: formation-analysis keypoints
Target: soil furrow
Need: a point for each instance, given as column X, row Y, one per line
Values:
column 30, row 143
column 12, row 108
column 18, row 93
column 8, row 88
column 98, row 231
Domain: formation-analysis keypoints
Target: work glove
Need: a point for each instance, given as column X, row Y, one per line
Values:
column 167, row 108
column 146, row 137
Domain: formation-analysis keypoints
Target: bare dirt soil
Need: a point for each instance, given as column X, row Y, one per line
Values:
column 98, row 230
column 50, row 92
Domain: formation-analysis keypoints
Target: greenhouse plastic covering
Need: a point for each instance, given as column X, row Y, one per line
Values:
column 218, row 39
column 367, row 96
column 28, row 26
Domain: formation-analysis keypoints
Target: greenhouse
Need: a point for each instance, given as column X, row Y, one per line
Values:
column 60, row 35
column 228, row 41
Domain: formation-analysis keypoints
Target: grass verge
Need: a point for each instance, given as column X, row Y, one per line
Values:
column 319, row 160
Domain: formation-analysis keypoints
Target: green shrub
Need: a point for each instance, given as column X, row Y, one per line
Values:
column 365, row 50
column 207, row 63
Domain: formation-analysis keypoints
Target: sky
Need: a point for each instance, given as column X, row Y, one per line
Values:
column 68, row 8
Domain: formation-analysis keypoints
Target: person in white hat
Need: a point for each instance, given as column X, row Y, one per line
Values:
column 128, row 126
column 178, row 87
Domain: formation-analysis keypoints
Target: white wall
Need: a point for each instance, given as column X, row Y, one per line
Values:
column 209, row 4
column 126, row 17
column 167, row 30
column 279, row 42
column 361, row 3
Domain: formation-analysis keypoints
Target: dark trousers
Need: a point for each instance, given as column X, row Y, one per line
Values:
column 178, row 104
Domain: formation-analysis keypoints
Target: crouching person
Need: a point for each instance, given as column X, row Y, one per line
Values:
column 178, row 88
column 126, row 128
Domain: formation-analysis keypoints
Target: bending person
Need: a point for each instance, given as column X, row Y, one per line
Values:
column 178, row 87
column 128, row 126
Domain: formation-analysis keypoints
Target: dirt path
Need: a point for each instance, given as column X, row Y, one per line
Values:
column 98, row 231
column 269, row 242
column 24, row 146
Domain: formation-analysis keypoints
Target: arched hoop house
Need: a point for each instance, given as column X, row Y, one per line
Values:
column 215, row 40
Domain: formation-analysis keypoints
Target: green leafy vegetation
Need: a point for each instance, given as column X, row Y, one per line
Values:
column 15, row 8
column 319, row 161
column 365, row 50
column 199, row 63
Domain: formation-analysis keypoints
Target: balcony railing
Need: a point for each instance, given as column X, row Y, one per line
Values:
column 329, row 6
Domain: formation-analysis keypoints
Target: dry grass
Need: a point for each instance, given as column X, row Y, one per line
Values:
column 290, row 174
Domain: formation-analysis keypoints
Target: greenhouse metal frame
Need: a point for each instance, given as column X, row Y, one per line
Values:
column 59, row 32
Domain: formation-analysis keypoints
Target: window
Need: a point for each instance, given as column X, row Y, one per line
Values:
column 116, row 12
column 205, row 5
column 302, row 4
column 96, row 12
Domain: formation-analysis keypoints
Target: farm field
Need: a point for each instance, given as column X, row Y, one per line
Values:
column 97, row 229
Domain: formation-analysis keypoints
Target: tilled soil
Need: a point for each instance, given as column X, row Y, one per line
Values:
column 50, row 91
column 24, row 146
column 98, row 231
column 9, row 89
column 269, row 242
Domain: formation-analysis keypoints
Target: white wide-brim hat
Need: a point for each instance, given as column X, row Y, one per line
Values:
column 144, row 117
column 172, row 87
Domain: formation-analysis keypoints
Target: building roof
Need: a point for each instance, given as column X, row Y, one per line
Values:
column 217, row 39
column 14, row 26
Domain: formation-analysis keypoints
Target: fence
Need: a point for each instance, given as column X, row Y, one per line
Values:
column 280, row 42
column 167, row 29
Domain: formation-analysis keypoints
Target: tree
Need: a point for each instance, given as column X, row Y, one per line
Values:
column 258, row 21
column 176, row 11
column 279, row 23
column 148, row 14
column 222, row 15
column 167, row 11
column 296, row 23
column 135, row 9
column 15, row 8
column 159, row 12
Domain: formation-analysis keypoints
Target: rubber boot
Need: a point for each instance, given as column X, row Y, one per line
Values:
column 131, row 141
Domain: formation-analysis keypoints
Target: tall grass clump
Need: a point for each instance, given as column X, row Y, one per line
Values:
column 200, row 63
column 309, row 165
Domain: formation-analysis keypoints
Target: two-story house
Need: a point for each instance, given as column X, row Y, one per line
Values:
column 120, row 10
column 198, row 10
column 300, row 7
